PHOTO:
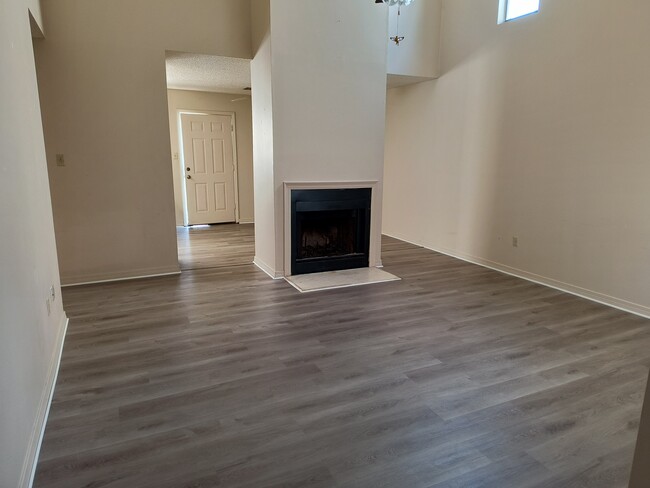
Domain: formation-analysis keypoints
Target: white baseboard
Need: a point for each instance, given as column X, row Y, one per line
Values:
column 594, row 296
column 94, row 281
column 267, row 269
column 38, row 431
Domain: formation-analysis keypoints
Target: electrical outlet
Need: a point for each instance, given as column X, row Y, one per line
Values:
column 515, row 242
column 52, row 293
column 47, row 305
column 60, row 160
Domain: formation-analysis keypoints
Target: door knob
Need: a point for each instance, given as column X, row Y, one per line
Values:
column 189, row 177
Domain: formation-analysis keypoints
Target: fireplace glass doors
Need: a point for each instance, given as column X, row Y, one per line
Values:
column 330, row 229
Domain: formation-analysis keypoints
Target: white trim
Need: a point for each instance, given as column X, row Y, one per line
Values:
column 43, row 412
column 267, row 269
column 594, row 296
column 246, row 222
column 181, row 160
column 235, row 164
column 233, row 134
column 375, row 215
column 125, row 278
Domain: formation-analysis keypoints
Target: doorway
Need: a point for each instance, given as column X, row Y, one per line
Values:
column 210, row 119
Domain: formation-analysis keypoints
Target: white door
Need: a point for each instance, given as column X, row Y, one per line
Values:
column 209, row 167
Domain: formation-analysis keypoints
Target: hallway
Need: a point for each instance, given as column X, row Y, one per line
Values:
column 215, row 246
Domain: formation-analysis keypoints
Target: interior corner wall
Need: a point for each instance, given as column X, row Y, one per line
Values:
column 537, row 129
column 218, row 102
column 104, row 96
column 30, row 336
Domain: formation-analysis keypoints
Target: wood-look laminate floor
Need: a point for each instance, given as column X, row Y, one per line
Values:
column 215, row 246
column 456, row 376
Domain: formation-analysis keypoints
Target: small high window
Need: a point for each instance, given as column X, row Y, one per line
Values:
column 513, row 9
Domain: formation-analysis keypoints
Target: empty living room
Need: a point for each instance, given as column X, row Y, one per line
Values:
column 452, row 292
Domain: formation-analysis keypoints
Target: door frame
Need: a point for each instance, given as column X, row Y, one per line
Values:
column 181, row 151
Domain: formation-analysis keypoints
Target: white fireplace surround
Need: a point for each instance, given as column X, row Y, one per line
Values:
column 375, row 215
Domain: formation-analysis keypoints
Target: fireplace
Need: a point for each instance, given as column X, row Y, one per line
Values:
column 330, row 229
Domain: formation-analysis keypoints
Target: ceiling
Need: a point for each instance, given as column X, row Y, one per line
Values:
column 187, row 71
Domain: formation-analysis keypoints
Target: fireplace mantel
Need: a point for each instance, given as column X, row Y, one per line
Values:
column 375, row 215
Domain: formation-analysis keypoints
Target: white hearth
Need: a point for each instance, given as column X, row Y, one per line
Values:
column 331, row 280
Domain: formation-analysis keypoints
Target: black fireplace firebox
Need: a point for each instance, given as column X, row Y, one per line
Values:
column 330, row 229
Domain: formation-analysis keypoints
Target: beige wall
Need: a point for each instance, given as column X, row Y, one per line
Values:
column 197, row 100
column 104, row 96
column 30, row 338
column 538, row 128
column 327, row 88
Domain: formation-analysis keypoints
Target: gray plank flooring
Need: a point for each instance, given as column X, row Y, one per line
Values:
column 456, row 376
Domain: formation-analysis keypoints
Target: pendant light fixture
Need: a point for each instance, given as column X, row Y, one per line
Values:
column 400, row 3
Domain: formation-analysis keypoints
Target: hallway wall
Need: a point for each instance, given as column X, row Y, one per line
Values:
column 104, row 97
